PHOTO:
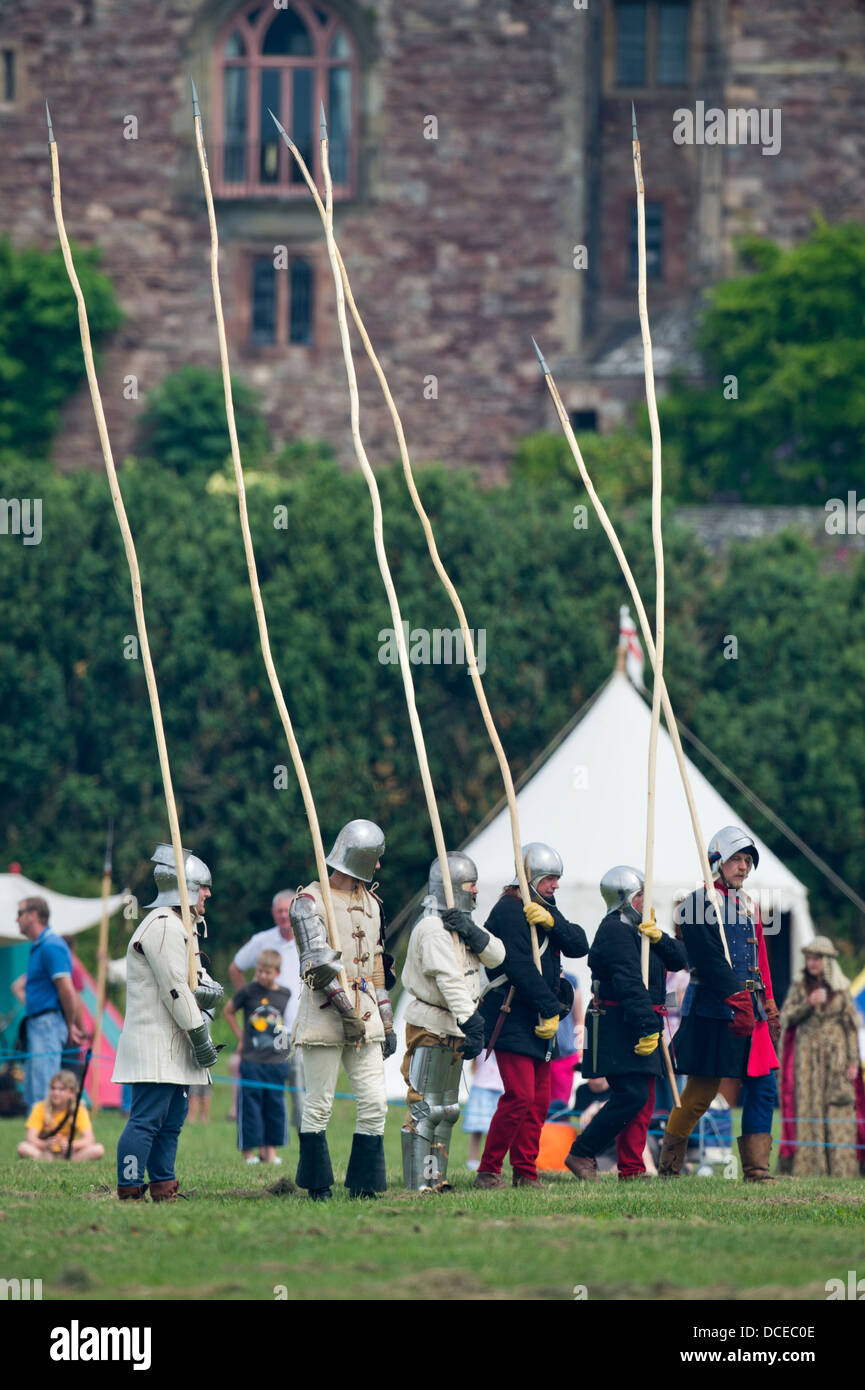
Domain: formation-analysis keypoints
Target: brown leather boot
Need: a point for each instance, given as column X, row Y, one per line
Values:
column 132, row 1194
column 672, row 1157
column 582, row 1167
column 754, row 1151
column 487, row 1180
column 165, row 1191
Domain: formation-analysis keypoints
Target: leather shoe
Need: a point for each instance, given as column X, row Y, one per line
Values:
column 582, row 1167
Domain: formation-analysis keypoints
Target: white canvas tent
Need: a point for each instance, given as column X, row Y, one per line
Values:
column 587, row 798
column 69, row 916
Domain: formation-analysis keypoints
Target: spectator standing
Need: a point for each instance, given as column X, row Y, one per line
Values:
column 263, row 1049
column 820, row 1067
column 52, row 1007
column 279, row 937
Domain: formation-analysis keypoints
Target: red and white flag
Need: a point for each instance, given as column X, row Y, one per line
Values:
column 629, row 642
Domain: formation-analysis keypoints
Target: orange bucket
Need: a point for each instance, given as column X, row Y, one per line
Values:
column 556, row 1141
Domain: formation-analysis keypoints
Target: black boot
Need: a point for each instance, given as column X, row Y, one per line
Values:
column 366, row 1171
column 314, row 1171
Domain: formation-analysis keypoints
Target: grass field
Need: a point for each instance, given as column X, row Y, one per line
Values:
column 698, row 1238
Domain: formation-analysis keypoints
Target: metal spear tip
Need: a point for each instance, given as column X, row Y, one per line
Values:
column 633, row 124
column 322, row 123
column 283, row 132
column 196, row 109
column 50, row 127
column 544, row 368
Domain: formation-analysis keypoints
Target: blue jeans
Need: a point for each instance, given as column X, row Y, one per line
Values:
column 759, row 1098
column 260, row 1109
column 149, row 1141
column 45, row 1037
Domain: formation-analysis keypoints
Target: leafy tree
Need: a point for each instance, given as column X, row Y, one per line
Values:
column 183, row 424
column 40, row 348
column 792, row 332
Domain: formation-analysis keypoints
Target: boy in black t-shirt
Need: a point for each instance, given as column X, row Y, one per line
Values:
column 263, row 1051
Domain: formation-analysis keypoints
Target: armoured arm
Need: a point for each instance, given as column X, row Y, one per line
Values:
column 319, row 963
column 208, row 992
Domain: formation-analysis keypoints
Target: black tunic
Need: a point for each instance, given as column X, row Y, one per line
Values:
column 628, row 1012
column 535, row 995
column 703, row 1045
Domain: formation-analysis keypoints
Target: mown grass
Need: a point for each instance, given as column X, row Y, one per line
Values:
column 698, row 1238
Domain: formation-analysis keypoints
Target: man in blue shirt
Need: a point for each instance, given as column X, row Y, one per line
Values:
column 52, row 1005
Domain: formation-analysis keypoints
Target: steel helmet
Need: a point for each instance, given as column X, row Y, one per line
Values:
column 165, row 873
column 540, row 861
column 357, row 849
column 462, row 871
column 729, row 841
column 620, row 885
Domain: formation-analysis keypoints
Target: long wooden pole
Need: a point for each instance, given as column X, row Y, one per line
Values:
column 378, row 534
column 657, row 542
column 101, row 968
column 252, row 568
column 445, row 578
column 646, row 630
column 129, row 547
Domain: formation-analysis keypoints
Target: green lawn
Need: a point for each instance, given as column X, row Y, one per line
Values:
column 698, row 1238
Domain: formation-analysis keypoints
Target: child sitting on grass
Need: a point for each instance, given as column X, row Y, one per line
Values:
column 49, row 1124
column 263, row 1052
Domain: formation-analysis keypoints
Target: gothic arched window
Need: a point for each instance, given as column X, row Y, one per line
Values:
column 287, row 59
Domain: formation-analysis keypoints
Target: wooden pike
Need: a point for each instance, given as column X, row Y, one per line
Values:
column 131, row 557
column 657, row 542
column 252, row 568
column 378, row 536
column 102, row 967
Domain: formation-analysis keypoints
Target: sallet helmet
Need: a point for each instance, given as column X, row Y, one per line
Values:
column 463, row 871
column 540, row 861
column 165, row 873
column 357, row 849
column 620, row 885
column 729, row 841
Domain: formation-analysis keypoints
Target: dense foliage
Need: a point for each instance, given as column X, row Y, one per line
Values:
column 792, row 332
column 79, row 747
column 40, row 346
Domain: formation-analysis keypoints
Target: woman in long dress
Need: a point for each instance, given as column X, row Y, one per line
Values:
column 820, row 1069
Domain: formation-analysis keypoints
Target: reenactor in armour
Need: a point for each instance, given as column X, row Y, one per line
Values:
column 336, row 1027
column 443, row 1027
column 623, row 1026
column 730, row 1023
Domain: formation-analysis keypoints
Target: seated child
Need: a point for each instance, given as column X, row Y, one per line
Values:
column 49, row 1124
column 263, row 1050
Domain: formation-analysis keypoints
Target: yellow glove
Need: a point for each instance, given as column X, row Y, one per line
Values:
column 651, row 931
column 646, row 1046
column 538, row 916
column 548, row 1027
